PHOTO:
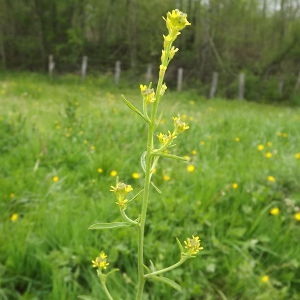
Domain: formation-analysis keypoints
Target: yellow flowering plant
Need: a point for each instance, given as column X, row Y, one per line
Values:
column 158, row 146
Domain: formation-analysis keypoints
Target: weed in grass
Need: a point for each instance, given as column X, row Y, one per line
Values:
column 175, row 22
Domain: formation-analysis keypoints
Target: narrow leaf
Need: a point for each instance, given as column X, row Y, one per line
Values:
column 109, row 225
column 143, row 160
column 132, row 107
column 156, row 188
column 167, row 281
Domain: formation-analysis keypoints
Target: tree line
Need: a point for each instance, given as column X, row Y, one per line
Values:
column 258, row 37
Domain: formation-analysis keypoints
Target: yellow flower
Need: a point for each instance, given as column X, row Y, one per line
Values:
column 271, row 178
column 193, row 245
column 100, row 261
column 265, row 279
column 176, row 20
column 237, row 139
column 297, row 155
column 92, row 148
column 234, row 185
column 269, row 144
column 166, row 177
column 202, row 143
column 297, row 216
column 190, row 168
column 194, row 152
column 147, row 93
column 14, row 217
column 179, row 125
column 100, row 170
column 136, row 175
column 166, row 139
column 260, row 147
column 122, row 203
column 113, row 173
column 269, row 155
column 275, row 211
column 121, row 188
column 55, row 178
column 12, row 195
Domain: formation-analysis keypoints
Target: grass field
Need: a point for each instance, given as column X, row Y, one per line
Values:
column 60, row 140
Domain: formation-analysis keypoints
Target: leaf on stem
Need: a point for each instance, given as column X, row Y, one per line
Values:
column 109, row 225
column 136, row 110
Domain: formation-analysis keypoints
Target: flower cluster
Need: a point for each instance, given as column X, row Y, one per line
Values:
column 100, row 261
column 121, row 190
column 192, row 245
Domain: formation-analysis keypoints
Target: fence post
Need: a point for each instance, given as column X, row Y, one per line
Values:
column 149, row 73
column 117, row 71
column 84, row 65
column 51, row 65
column 241, row 90
column 179, row 79
column 214, row 85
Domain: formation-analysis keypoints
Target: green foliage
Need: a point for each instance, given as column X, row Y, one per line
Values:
column 46, row 252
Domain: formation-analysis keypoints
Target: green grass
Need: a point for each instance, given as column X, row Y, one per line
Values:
column 70, row 129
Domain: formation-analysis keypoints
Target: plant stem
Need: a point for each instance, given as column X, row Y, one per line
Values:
column 180, row 262
column 103, row 283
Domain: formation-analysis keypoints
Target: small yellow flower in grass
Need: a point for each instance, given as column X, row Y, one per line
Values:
column 265, row 278
column 268, row 155
column 297, row 155
column 136, row 175
column 100, row 261
column 269, row 144
column 55, row 178
column 193, row 245
column 202, row 143
column 234, row 185
column 297, row 216
column 14, row 217
column 166, row 177
column 237, row 139
column 12, row 195
column 190, row 168
column 194, row 152
column 260, row 147
column 113, row 173
column 271, row 178
column 275, row 211
column 100, row 170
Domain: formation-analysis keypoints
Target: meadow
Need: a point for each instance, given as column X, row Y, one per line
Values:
column 63, row 142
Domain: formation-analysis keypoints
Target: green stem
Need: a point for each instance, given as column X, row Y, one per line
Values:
column 103, row 283
column 180, row 262
column 147, row 184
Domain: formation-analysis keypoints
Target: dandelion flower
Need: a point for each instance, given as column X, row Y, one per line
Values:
column 260, row 147
column 193, row 245
column 136, row 175
column 55, row 178
column 113, row 173
column 297, row 155
column 275, row 211
column 100, row 261
column 194, row 152
column 100, row 170
column 237, row 139
column 297, row 216
column 268, row 155
column 265, row 278
column 166, row 177
column 271, row 178
column 234, row 185
column 190, row 168
column 92, row 148
column 14, row 217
